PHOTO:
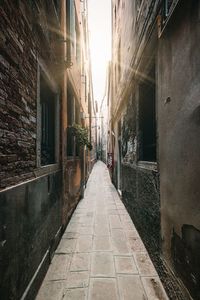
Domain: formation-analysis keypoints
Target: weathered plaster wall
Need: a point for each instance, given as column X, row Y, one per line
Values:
column 141, row 181
column 179, row 149
column 73, row 188
column 141, row 195
column 30, row 217
column 176, row 213
column 140, row 185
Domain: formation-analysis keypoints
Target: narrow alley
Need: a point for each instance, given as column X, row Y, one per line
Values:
column 101, row 256
column 99, row 149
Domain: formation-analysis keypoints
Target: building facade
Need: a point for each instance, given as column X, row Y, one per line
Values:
column 154, row 109
column 103, row 120
column 45, row 87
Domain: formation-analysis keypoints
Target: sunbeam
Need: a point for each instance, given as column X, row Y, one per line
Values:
column 100, row 42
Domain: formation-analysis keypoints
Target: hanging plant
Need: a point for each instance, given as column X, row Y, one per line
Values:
column 81, row 135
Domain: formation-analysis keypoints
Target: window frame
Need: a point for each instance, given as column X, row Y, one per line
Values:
column 75, row 119
column 141, row 161
column 41, row 68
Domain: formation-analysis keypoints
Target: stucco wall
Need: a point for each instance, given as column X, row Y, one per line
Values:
column 179, row 147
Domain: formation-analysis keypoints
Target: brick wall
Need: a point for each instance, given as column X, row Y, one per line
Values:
column 18, row 79
column 25, row 36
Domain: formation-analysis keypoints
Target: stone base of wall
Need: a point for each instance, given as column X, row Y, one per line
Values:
column 30, row 219
column 140, row 194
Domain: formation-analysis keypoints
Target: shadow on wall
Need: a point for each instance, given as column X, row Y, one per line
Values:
column 186, row 257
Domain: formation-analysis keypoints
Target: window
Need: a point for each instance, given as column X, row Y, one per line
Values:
column 77, row 121
column 56, row 3
column 48, row 100
column 70, row 121
column 167, row 5
column 119, row 61
column 119, row 129
column 115, row 78
column 73, row 48
column 85, row 88
column 138, row 5
column 77, row 41
column 115, row 15
column 57, row 7
column 70, row 28
column 147, row 118
column 73, row 116
column 167, row 9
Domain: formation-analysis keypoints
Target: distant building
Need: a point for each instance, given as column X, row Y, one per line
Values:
column 103, row 120
column 154, row 120
column 45, row 87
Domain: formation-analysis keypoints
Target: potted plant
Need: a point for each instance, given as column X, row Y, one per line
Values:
column 81, row 135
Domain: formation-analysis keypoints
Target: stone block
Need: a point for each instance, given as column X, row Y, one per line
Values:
column 75, row 294
column 102, row 243
column 130, row 287
column 77, row 279
column 102, row 265
column 51, row 290
column 136, row 244
column 80, row 262
column 144, row 264
column 59, row 268
column 115, row 221
column 154, row 288
column 84, row 243
column 125, row 265
column 66, row 246
column 103, row 289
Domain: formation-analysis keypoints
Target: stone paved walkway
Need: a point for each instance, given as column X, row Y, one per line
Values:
column 101, row 256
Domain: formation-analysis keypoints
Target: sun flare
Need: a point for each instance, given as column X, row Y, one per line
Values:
column 100, row 43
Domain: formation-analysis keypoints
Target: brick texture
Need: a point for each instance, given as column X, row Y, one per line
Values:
column 18, row 78
column 22, row 41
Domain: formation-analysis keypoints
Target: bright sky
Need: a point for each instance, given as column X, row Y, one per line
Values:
column 99, row 19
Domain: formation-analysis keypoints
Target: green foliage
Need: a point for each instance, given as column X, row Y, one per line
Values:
column 81, row 135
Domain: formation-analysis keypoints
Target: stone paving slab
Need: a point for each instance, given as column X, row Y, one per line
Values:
column 75, row 294
column 103, row 288
column 130, row 287
column 101, row 255
column 125, row 265
column 77, row 280
column 102, row 265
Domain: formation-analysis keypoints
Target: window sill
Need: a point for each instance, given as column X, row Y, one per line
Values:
column 43, row 170
column 72, row 158
column 148, row 165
